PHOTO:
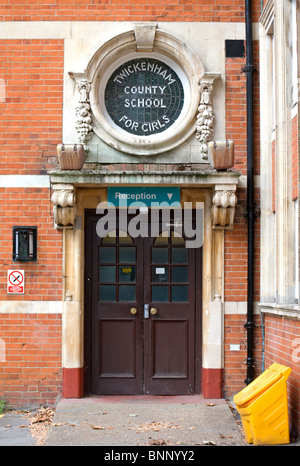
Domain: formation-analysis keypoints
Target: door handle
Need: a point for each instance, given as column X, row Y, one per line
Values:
column 153, row 311
column 133, row 311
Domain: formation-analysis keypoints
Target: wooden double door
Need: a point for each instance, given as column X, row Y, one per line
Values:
column 142, row 328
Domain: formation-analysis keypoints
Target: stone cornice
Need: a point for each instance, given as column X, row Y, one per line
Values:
column 64, row 184
column 191, row 178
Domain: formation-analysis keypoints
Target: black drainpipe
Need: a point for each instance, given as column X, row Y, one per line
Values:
column 250, row 189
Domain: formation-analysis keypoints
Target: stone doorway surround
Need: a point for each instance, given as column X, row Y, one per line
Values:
column 75, row 191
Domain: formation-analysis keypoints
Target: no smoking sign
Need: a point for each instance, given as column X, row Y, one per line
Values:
column 15, row 282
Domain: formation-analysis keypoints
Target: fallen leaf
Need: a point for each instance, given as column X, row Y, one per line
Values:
column 40, row 422
column 44, row 415
column 97, row 427
column 209, row 442
column 211, row 404
column 155, row 426
column 157, row 442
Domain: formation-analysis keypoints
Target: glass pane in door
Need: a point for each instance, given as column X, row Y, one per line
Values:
column 107, row 254
column 127, row 273
column 107, row 293
column 160, row 293
column 179, row 293
column 179, row 274
column 179, row 256
column 127, row 293
column 127, row 254
column 107, row 273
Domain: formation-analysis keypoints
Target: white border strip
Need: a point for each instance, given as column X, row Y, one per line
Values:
column 24, row 181
column 67, row 29
column 31, row 307
column 239, row 307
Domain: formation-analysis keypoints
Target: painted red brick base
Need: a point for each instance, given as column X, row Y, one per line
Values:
column 212, row 383
column 73, row 382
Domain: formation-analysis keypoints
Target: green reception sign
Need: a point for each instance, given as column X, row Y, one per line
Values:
column 144, row 196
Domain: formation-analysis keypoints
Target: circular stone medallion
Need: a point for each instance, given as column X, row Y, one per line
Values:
column 144, row 96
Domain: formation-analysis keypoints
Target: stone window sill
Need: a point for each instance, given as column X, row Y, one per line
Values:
column 286, row 310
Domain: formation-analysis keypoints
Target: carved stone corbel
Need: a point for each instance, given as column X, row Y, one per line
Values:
column 205, row 117
column 64, row 205
column 223, row 207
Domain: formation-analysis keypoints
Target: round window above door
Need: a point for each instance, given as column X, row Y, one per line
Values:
column 143, row 100
column 144, row 96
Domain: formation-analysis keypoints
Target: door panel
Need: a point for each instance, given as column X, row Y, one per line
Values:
column 132, row 352
column 117, row 360
column 169, row 349
column 170, row 331
column 116, row 333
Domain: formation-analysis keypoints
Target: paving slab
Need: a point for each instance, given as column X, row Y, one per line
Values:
column 144, row 421
column 14, row 430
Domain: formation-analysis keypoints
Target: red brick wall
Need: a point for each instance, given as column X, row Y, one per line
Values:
column 235, row 367
column 31, row 114
column 236, row 129
column 31, row 372
column 236, row 241
column 43, row 278
column 129, row 10
column 30, row 375
column 30, row 129
column 282, row 345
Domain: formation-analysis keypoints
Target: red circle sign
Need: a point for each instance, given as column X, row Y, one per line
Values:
column 16, row 277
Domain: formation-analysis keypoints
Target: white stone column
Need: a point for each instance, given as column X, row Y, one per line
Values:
column 267, row 219
column 285, row 270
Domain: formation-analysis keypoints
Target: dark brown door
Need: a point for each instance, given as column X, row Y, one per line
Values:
column 115, row 265
column 169, row 346
column 140, row 305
